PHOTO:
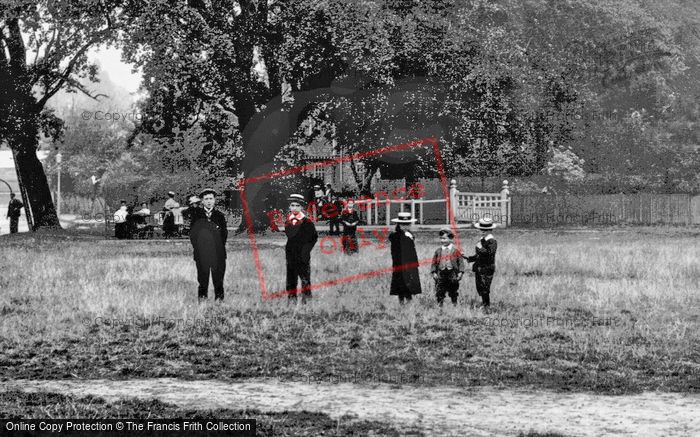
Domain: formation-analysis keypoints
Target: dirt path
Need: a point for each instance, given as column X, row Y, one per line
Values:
column 435, row 410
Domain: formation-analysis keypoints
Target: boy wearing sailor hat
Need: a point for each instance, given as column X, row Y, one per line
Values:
column 405, row 281
column 301, row 238
column 484, row 259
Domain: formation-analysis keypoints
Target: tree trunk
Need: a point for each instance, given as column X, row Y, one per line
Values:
column 34, row 187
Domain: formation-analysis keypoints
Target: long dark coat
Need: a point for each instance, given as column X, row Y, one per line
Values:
column 14, row 209
column 301, row 239
column 403, row 252
column 208, row 236
column 349, row 239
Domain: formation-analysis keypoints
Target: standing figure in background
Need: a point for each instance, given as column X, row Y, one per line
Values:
column 121, row 230
column 318, row 195
column 350, row 221
column 328, row 193
column 208, row 234
column 335, row 215
column 484, row 260
column 14, row 210
column 169, row 228
column 192, row 203
column 301, row 238
column 405, row 281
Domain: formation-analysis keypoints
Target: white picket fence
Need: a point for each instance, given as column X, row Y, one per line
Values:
column 466, row 207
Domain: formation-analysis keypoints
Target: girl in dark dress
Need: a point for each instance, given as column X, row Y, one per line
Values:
column 350, row 220
column 405, row 281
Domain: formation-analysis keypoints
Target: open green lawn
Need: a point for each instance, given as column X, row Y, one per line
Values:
column 607, row 311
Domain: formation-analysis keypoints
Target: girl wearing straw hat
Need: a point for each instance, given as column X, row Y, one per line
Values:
column 301, row 238
column 484, row 259
column 405, row 281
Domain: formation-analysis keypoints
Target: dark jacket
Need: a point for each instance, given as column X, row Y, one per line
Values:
column 301, row 238
column 485, row 257
column 208, row 235
column 455, row 260
column 350, row 217
column 403, row 254
column 14, row 208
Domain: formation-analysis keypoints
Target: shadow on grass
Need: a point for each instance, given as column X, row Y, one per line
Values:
column 17, row 404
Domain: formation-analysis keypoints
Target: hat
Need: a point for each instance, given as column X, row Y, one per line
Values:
column 485, row 224
column 171, row 193
column 296, row 198
column 317, row 186
column 208, row 191
column 194, row 199
column 404, row 217
column 447, row 231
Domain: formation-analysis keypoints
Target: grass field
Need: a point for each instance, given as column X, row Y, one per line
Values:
column 611, row 311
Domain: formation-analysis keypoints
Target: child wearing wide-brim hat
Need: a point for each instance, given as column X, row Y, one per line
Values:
column 405, row 280
column 484, row 259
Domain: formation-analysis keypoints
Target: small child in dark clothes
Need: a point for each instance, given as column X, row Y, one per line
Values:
column 447, row 268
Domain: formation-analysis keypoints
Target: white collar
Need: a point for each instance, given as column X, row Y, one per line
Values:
column 488, row 237
column 448, row 247
column 208, row 210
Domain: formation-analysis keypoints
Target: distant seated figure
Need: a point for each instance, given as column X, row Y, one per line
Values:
column 141, row 214
column 144, row 211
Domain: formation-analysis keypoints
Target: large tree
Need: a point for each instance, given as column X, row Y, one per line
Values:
column 500, row 83
column 43, row 49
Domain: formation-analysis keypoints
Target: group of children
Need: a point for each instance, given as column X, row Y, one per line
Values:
column 447, row 268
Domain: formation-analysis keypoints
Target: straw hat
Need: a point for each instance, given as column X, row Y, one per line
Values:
column 485, row 224
column 404, row 217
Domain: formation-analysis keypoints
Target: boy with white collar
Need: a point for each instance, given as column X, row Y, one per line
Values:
column 447, row 268
column 484, row 260
column 301, row 238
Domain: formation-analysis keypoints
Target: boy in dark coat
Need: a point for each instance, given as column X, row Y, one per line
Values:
column 208, row 236
column 484, row 260
column 447, row 268
column 405, row 281
column 350, row 221
column 301, row 238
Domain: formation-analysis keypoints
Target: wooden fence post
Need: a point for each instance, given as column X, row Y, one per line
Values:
column 452, row 202
column 505, row 217
column 388, row 212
